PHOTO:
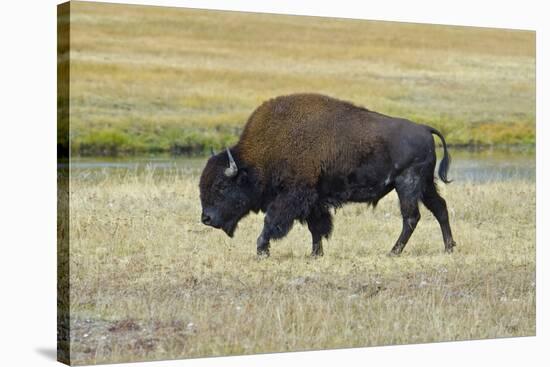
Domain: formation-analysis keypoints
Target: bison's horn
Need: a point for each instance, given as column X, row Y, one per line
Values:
column 212, row 153
column 232, row 170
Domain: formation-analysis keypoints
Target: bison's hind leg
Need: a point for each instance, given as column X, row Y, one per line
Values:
column 437, row 205
column 409, row 186
column 319, row 223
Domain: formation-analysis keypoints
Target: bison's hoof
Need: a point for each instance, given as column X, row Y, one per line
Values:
column 262, row 254
column 316, row 255
column 393, row 254
column 450, row 247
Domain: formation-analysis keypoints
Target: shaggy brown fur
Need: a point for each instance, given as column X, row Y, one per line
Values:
column 308, row 134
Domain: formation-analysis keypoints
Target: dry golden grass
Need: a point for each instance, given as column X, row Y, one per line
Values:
column 148, row 281
column 148, row 78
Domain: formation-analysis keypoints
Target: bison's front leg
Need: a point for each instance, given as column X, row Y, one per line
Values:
column 319, row 223
column 262, row 245
column 276, row 225
column 281, row 214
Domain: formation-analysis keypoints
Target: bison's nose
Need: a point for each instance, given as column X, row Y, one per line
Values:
column 206, row 219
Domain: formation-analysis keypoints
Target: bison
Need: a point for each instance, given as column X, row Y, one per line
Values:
column 302, row 154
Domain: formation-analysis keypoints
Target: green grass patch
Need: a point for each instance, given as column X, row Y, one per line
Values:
column 182, row 80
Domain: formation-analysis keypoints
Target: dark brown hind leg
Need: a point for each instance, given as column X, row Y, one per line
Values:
column 437, row 205
column 319, row 223
column 409, row 187
column 411, row 216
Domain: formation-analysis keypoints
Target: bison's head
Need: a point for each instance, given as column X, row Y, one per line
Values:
column 227, row 192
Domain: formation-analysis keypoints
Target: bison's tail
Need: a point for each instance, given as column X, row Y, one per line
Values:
column 446, row 161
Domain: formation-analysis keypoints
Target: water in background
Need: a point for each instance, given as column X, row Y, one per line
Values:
column 466, row 166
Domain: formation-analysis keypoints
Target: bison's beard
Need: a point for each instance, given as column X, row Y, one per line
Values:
column 230, row 225
column 229, row 228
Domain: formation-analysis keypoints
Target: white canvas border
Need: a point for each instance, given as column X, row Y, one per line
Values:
column 27, row 317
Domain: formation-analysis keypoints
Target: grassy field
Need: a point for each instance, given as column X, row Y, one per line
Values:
column 150, row 79
column 149, row 281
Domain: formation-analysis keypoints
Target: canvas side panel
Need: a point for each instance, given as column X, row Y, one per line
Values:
column 63, row 77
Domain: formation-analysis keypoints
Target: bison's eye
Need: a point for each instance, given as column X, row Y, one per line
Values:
column 217, row 185
column 220, row 188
